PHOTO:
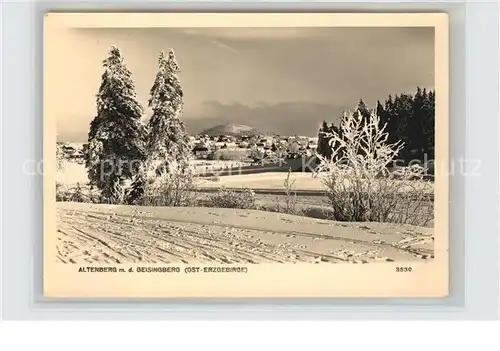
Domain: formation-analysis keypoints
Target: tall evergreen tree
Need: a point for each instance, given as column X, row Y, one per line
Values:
column 403, row 109
column 382, row 114
column 364, row 111
column 428, row 121
column 116, row 137
column 391, row 120
column 333, row 145
column 410, row 118
column 168, row 139
column 365, row 114
column 323, row 138
column 320, row 138
column 414, row 132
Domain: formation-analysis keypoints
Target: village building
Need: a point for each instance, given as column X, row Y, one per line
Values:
column 201, row 150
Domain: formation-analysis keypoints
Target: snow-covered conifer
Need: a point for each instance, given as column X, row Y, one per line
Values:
column 167, row 166
column 116, row 140
column 168, row 140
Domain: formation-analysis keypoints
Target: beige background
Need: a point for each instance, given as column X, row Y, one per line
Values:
column 430, row 279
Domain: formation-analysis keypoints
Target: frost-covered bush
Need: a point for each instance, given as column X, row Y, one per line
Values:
column 290, row 204
column 62, row 193
column 358, row 183
column 257, row 153
column 76, row 194
column 225, row 198
column 163, row 184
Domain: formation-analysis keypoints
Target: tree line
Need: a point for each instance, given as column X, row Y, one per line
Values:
column 407, row 117
column 120, row 146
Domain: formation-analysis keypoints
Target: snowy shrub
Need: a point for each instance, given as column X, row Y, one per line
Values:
column 76, row 194
column 62, row 193
column 170, row 184
column 358, row 184
column 290, row 204
column 257, row 153
column 225, row 198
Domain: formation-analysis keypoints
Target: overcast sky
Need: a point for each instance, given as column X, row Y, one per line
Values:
column 283, row 80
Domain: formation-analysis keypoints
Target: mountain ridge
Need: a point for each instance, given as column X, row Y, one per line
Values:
column 230, row 129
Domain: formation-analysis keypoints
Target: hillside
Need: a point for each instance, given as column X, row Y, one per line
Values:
column 230, row 129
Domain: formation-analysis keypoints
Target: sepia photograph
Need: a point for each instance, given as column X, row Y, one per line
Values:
column 239, row 145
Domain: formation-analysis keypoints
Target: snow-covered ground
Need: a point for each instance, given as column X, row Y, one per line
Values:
column 90, row 233
column 269, row 180
column 275, row 180
column 73, row 173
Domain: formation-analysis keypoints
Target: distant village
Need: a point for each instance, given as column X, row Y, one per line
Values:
column 252, row 146
column 258, row 146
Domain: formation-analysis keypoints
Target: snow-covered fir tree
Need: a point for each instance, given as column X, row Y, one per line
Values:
column 167, row 143
column 116, row 140
column 168, row 140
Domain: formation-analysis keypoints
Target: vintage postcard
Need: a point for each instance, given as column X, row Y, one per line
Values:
column 245, row 155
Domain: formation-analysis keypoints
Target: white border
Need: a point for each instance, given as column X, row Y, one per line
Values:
column 474, row 268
